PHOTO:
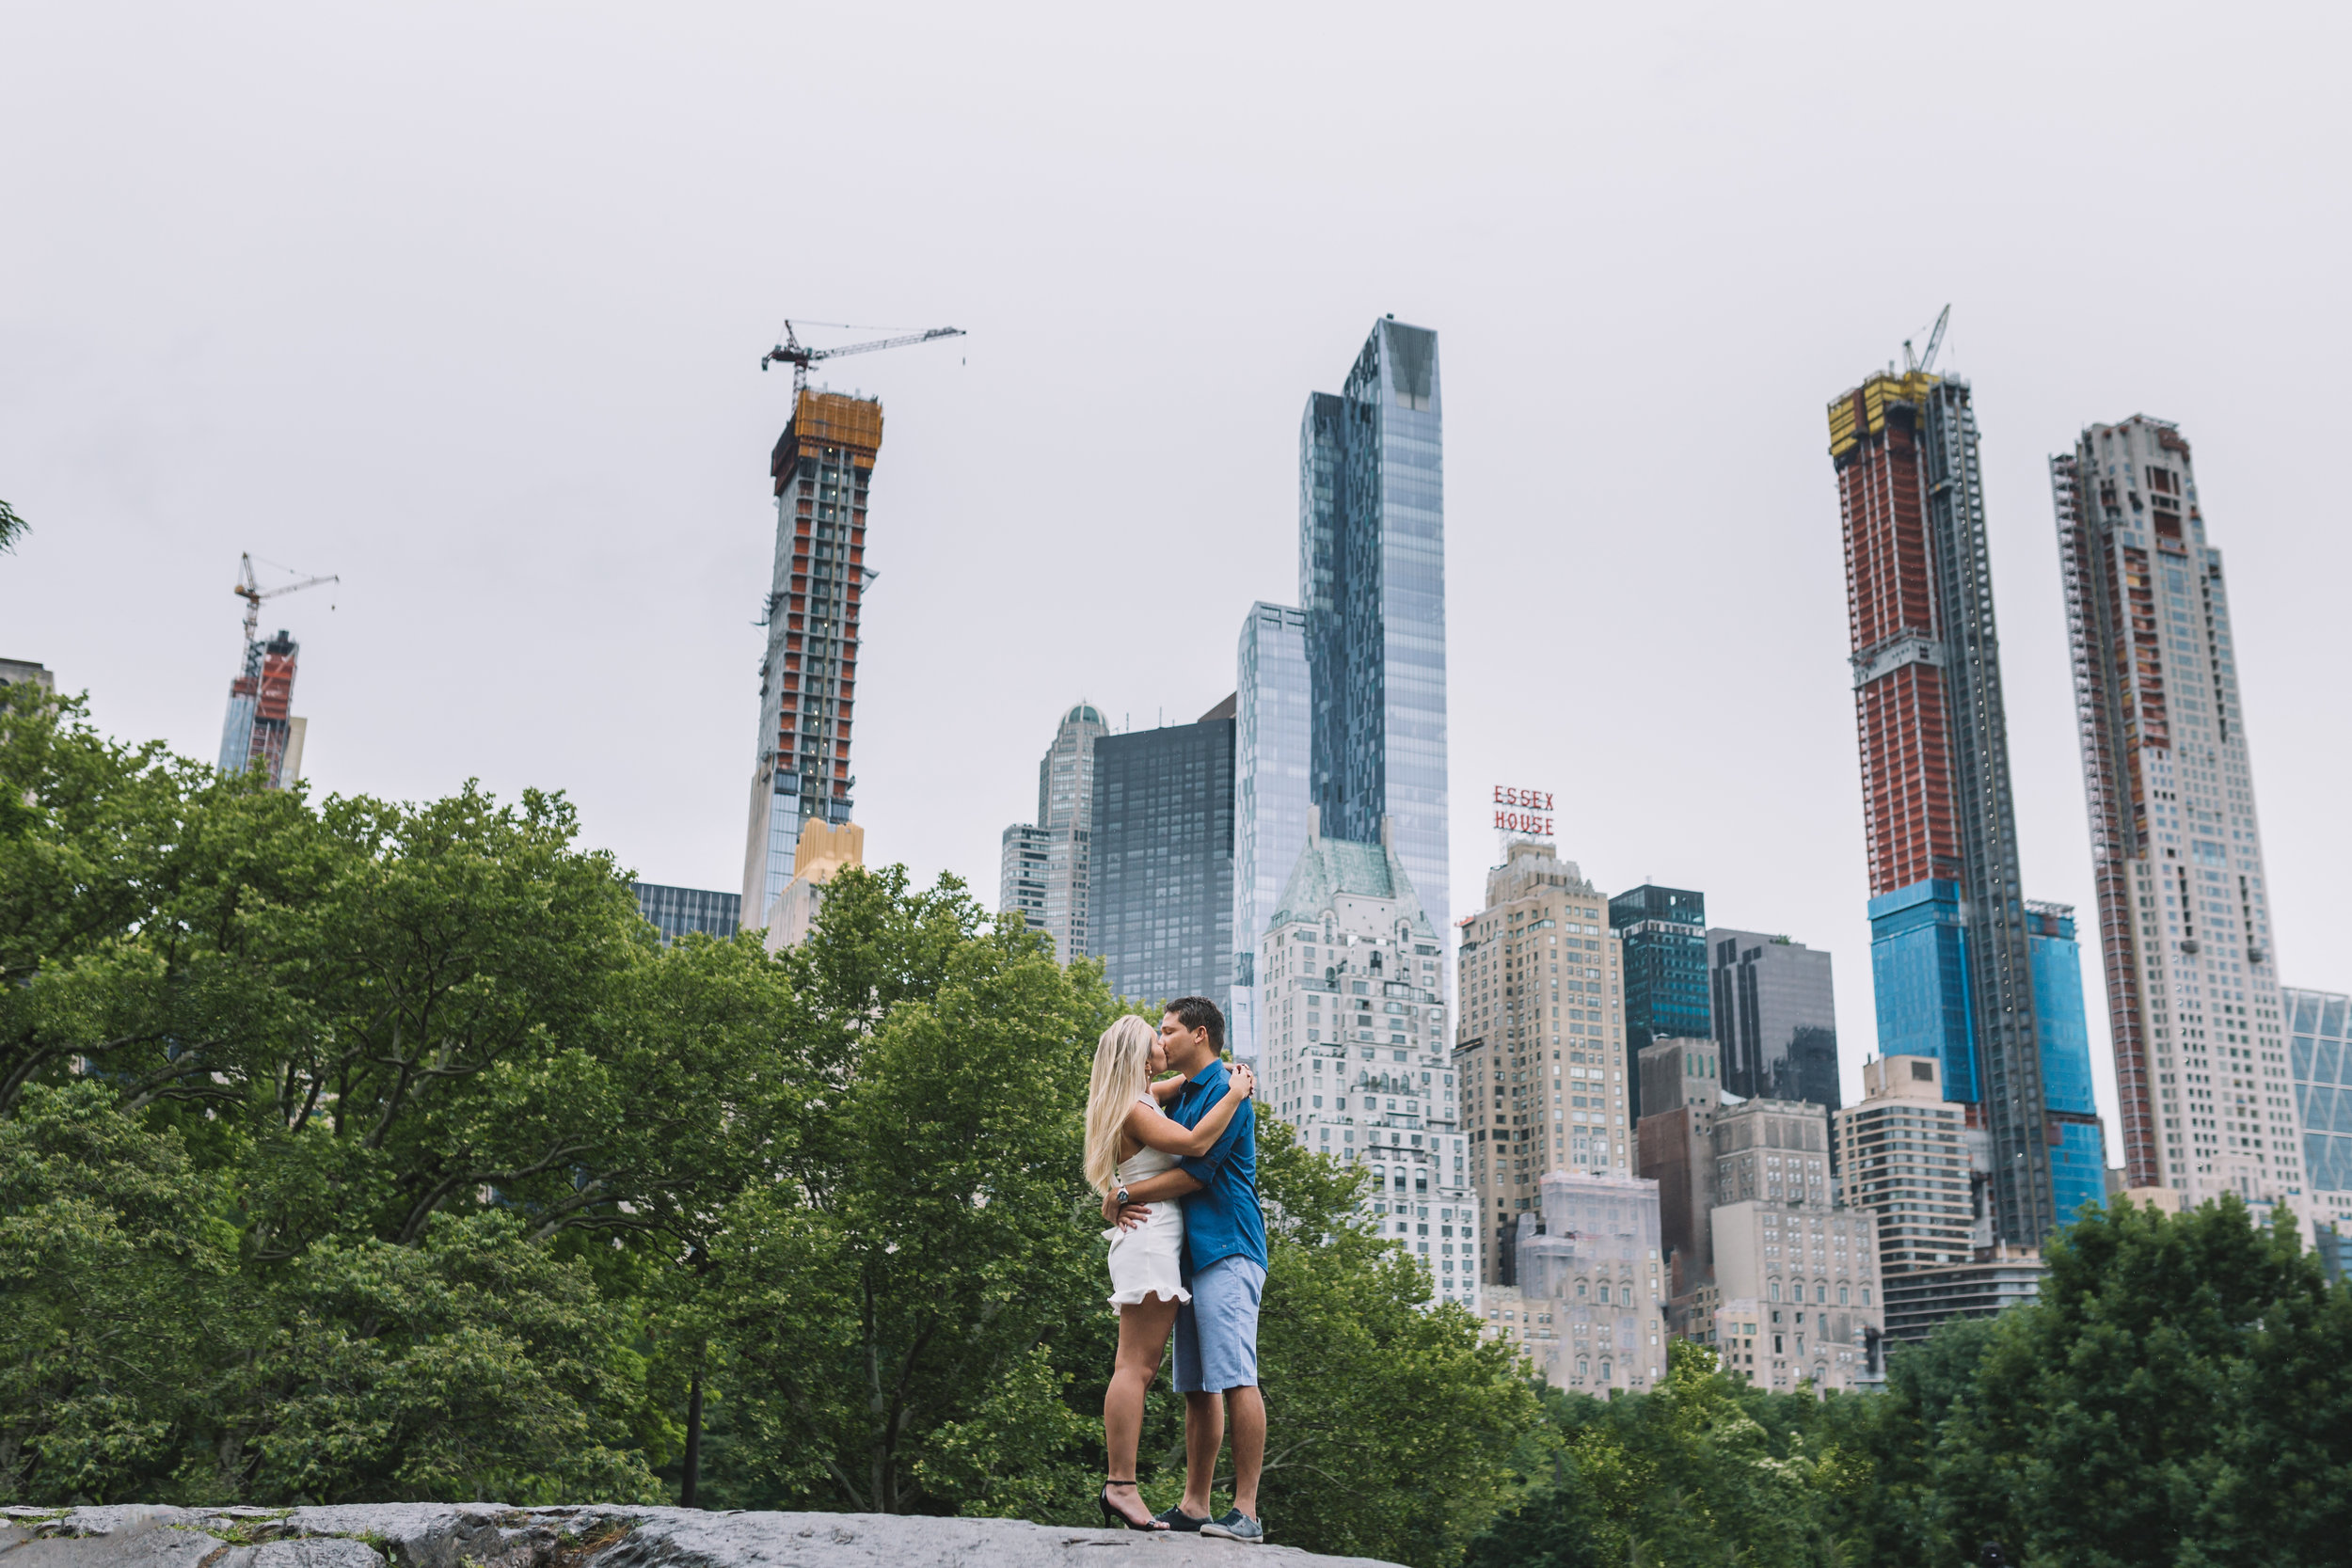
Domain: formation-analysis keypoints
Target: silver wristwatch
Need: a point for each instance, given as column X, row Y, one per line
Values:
column 1121, row 1197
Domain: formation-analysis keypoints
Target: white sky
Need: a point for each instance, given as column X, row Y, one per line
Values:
column 464, row 302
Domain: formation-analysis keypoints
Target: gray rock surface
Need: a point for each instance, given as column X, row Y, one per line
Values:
column 489, row 1535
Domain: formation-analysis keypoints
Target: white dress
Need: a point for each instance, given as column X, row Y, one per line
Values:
column 1148, row 1260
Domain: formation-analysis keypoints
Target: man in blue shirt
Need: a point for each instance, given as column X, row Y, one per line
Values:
column 1224, row 1265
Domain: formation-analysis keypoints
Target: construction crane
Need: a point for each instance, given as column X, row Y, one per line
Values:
column 790, row 352
column 1926, row 363
column 249, row 588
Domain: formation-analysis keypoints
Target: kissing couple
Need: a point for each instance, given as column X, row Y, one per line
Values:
column 1176, row 1161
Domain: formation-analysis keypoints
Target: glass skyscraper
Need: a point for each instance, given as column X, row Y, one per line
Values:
column 1273, row 731
column 1663, row 933
column 1371, row 582
column 1919, row 980
column 2079, row 1158
column 2323, row 1090
column 1160, row 900
column 1775, row 1017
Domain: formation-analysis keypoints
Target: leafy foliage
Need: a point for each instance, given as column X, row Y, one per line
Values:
column 353, row 1151
column 2177, row 1396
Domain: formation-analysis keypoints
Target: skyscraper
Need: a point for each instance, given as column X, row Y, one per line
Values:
column 261, row 730
column 1160, row 892
column 1273, row 733
column 1949, row 964
column 2193, row 996
column 1354, row 1046
column 1664, row 932
column 2079, row 1158
column 2322, row 1059
column 1371, row 582
column 821, row 468
column 1539, row 1045
column 1776, row 1015
column 1045, row 869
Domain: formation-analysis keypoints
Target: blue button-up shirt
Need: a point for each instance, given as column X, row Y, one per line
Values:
column 1222, row 1219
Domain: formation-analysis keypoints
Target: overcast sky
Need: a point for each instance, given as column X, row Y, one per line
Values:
column 464, row 303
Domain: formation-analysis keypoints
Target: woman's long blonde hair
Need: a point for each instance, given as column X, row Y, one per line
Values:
column 1123, row 1070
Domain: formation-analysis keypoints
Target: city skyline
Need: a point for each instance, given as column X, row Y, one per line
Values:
column 585, row 528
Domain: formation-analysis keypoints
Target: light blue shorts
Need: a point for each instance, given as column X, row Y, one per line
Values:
column 1217, row 1331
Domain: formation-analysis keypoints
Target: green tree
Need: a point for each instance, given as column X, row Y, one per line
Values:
column 473, row 1365
column 1705, row 1468
column 355, row 1019
column 13, row 528
column 120, row 1276
column 1364, row 1379
column 141, row 1359
column 2181, row 1393
column 917, row 1270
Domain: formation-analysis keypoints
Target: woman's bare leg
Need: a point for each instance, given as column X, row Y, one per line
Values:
column 1143, row 1330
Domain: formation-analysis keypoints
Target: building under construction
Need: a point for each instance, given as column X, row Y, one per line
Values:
column 1951, row 962
column 262, row 731
column 807, row 684
column 2194, row 1000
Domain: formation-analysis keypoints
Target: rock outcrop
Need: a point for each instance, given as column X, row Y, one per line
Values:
column 486, row 1535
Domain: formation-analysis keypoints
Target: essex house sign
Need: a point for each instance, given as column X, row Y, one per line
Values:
column 1523, row 811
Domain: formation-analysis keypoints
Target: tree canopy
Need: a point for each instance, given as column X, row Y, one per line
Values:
column 353, row 1149
column 357, row 1150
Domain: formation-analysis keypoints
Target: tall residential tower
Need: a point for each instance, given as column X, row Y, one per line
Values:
column 1371, row 581
column 821, row 467
column 1951, row 965
column 2193, row 995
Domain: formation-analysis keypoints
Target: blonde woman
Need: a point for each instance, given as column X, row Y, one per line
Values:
column 1128, row 1138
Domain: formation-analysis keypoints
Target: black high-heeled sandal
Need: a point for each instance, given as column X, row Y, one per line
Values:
column 1112, row 1517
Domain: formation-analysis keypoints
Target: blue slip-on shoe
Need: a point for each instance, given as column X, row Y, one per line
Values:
column 1235, row 1526
column 1180, row 1522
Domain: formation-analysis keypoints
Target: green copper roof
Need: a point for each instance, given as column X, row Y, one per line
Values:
column 1330, row 869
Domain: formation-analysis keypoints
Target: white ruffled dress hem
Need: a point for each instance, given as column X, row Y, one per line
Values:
column 1136, row 1298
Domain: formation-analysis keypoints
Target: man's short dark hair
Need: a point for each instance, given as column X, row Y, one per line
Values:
column 1198, row 1012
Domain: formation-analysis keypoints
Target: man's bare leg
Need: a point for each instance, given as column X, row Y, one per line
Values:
column 1204, row 1434
column 1248, row 1414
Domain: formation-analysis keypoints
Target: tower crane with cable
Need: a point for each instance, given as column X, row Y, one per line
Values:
column 1926, row 363
column 791, row 351
column 249, row 588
